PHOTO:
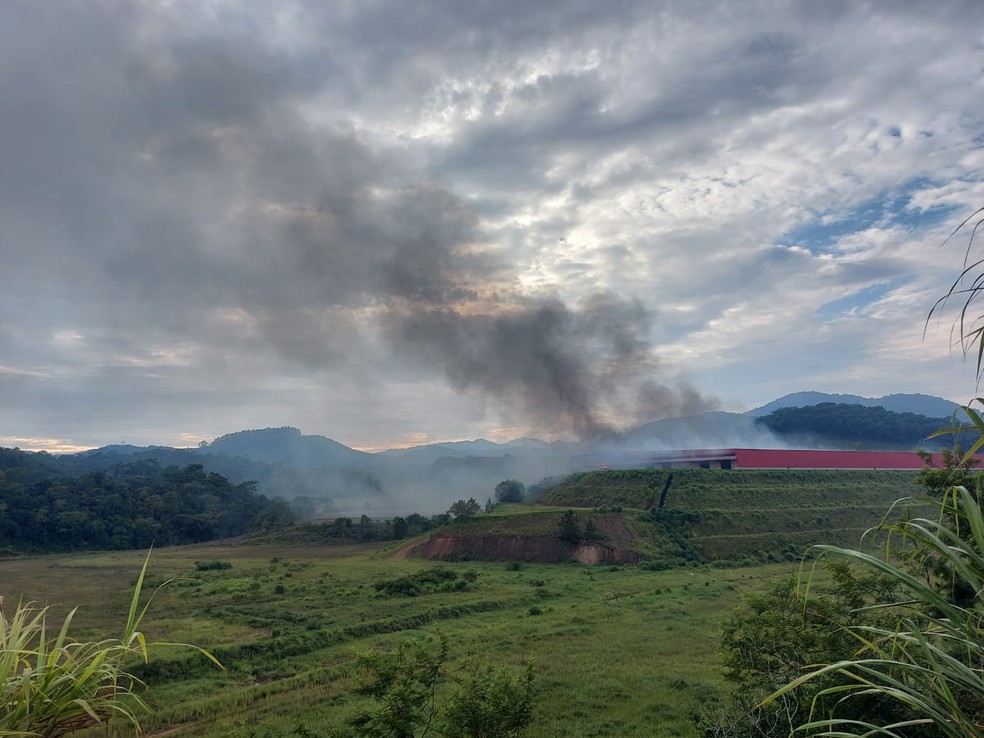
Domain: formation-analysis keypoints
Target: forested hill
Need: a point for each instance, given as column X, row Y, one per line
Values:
column 136, row 505
column 287, row 445
column 858, row 425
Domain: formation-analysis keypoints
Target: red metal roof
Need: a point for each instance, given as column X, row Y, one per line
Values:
column 750, row 458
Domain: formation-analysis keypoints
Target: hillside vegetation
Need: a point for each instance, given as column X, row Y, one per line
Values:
column 738, row 516
column 42, row 508
column 857, row 426
column 288, row 624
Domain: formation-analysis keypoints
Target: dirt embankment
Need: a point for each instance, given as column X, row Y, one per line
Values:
column 547, row 549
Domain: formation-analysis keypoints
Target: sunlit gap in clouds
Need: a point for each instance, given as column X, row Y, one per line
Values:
column 51, row 445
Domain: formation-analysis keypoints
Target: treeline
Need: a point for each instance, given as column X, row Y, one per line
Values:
column 858, row 423
column 366, row 529
column 136, row 505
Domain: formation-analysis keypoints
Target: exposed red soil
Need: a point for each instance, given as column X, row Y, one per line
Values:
column 447, row 546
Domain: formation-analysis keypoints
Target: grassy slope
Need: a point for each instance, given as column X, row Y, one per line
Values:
column 619, row 651
column 750, row 515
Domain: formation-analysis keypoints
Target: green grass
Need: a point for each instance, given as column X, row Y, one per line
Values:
column 746, row 515
column 618, row 651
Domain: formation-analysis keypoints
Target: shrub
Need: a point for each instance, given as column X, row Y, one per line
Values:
column 403, row 687
column 435, row 579
column 212, row 565
column 928, row 661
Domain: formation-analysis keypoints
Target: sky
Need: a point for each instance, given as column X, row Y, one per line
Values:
column 397, row 223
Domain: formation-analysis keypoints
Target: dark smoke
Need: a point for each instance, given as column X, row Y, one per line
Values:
column 193, row 212
column 566, row 369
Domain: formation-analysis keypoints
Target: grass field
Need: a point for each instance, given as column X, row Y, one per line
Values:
column 618, row 651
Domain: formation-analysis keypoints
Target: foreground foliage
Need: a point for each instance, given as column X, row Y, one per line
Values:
column 931, row 661
column 768, row 641
column 51, row 687
column 404, row 688
column 886, row 640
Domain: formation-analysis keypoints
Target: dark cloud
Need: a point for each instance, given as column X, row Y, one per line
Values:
column 233, row 194
column 192, row 204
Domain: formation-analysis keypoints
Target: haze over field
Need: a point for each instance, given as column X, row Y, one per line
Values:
column 396, row 223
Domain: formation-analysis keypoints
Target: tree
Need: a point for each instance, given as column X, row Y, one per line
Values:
column 569, row 531
column 956, row 470
column 591, row 532
column 404, row 688
column 767, row 642
column 490, row 704
column 464, row 509
column 510, row 490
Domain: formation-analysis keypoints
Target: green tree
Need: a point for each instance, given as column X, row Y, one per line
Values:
column 490, row 704
column 569, row 529
column 464, row 508
column 591, row 532
column 404, row 687
column 768, row 640
column 955, row 470
column 510, row 490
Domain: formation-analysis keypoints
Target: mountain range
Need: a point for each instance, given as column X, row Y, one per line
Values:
column 324, row 477
column 931, row 407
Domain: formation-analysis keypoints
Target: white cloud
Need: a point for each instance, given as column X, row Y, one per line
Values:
column 214, row 207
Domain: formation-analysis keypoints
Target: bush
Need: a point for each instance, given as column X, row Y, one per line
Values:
column 404, row 689
column 926, row 662
column 212, row 565
column 435, row 579
column 510, row 490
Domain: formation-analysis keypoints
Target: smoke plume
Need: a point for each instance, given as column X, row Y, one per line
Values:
column 204, row 228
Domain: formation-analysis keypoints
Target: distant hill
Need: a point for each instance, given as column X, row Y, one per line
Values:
column 287, row 446
column 326, row 478
column 842, row 425
column 927, row 405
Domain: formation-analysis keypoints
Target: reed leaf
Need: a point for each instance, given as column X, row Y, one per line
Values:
column 51, row 687
column 933, row 661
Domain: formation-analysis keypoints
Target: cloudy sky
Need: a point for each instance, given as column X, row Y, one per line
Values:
column 394, row 223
